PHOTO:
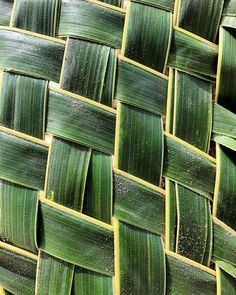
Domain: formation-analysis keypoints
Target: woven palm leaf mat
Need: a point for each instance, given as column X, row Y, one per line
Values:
column 118, row 147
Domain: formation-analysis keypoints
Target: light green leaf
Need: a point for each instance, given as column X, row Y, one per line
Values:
column 224, row 121
column 225, row 283
column 138, row 204
column 142, row 261
column 187, row 166
column 98, row 192
column 224, row 247
column 22, row 161
column 190, row 54
column 225, row 141
column 162, row 4
column 30, row 54
column 141, row 88
column 54, row 276
column 227, row 267
column 79, row 120
column 59, row 234
column 185, row 278
column 192, row 231
column 90, row 282
column 193, row 110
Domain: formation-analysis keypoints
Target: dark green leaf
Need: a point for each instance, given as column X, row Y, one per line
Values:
column 26, row 96
column 140, row 131
column 98, row 193
column 91, row 21
column 37, row 16
column 148, row 36
column 201, row 17
column 22, row 161
column 17, row 272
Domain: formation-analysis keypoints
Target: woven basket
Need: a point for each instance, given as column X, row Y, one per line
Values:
column 118, row 147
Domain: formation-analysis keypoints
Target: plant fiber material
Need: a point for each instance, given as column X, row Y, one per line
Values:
column 117, row 147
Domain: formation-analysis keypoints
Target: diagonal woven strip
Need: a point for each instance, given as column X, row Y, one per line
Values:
column 118, row 147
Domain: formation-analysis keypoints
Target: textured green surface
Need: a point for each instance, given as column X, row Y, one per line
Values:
column 67, row 178
column 144, row 23
column 141, row 88
column 229, row 7
column 98, row 192
column 6, row 9
column 30, row 54
column 188, row 167
column 227, row 87
column 226, row 141
column 54, row 276
column 91, row 21
column 93, row 249
column 184, row 278
column 85, row 68
column 87, row 282
column 192, row 55
column 142, row 261
column 22, row 161
column 109, row 81
column 227, row 267
column 163, row 4
column 226, row 283
column 22, row 104
column 17, row 273
column 224, row 247
column 226, row 210
column 171, row 214
column 140, row 130
column 18, row 204
column 80, row 121
column 201, row 17
column 224, row 121
column 138, row 204
column 37, row 16
column 193, row 214
column 193, row 108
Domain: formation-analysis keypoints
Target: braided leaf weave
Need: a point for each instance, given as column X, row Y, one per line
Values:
column 118, row 147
